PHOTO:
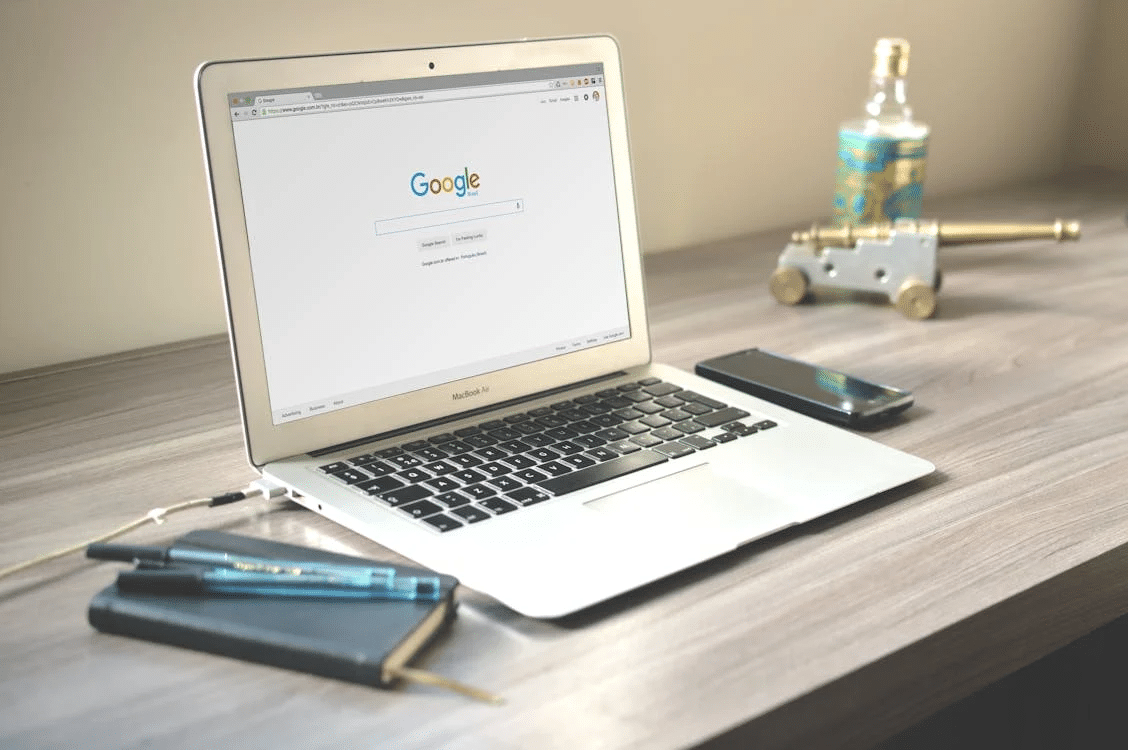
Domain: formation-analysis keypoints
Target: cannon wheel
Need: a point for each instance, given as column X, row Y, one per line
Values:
column 789, row 285
column 916, row 300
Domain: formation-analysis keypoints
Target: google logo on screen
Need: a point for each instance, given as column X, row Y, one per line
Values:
column 459, row 184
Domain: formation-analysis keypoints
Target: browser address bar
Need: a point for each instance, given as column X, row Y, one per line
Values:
column 391, row 100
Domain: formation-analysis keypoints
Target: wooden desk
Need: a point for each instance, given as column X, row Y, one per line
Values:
column 838, row 633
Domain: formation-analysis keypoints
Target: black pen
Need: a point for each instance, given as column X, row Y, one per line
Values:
column 142, row 553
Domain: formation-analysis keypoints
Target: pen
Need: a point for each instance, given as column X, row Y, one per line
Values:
column 142, row 553
column 229, row 581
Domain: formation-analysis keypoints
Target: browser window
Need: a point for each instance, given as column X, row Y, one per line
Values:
column 405, row 234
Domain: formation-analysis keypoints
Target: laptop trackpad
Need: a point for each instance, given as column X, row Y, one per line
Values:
column 696, row 502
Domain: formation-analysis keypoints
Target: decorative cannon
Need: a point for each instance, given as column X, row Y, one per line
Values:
column 897, row 260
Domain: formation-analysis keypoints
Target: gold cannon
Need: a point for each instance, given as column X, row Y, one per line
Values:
column 897, row 259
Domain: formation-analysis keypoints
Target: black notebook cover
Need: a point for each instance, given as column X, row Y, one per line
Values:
column 357, row 640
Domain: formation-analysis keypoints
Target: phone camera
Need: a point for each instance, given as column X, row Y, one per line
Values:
column 431, row 65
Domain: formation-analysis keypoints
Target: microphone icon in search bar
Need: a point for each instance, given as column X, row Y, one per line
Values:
column 447, row 216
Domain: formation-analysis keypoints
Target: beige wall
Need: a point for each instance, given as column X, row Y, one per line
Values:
column 105, row 239
column 1101, row 136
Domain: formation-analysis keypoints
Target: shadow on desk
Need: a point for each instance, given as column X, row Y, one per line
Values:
column 1073, row 698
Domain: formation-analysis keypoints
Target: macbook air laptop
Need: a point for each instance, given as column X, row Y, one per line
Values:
column 435, row 298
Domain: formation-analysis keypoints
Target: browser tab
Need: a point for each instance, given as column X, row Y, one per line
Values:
column 296, row 98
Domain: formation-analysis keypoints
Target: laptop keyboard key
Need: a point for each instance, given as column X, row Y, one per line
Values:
column 452, row 499
column 420, row 508
column 667, row 433
column 528, row 496
column 470, row 514
column 455, row 447
column 589, row 441
column 514, row 446
column 698, row 398
column 379, row 468
column 625, row 446
column 469, row 476
column 674, row 449
column 481, row 440
column 531, row 476
column 494, row 469
column 519, row 462
column 698, row 442
column 491, row 453
column 405, row 461
column 440, row 467
column 505, row 483
column 579, row 461
column 442, row 484
column 561, row 433
column 592, row 475
column 380, row 485
column 677, row 415
column 466, row 460
column 406, row 495
column 479, row 491
column 443, row 522
column 505, row 433
column 414, row 475
column 333, row 468
column 718, row 418
column 544, row 454
column 661, row 389
column 430, row 453
column 566, row 447
column 555, row 468
column 537, row 441
column 612, row 434
column 646, row 441
column 351, row 476
column 497, row 505
column 603, row 454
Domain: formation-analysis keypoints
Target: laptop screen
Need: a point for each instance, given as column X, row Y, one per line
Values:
column 409, row 233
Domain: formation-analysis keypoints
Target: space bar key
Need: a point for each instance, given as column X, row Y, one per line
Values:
column 616, row 467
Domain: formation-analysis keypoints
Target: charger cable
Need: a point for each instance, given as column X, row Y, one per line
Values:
column 259, row 487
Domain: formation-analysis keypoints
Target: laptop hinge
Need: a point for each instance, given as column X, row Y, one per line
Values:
column 462, row 415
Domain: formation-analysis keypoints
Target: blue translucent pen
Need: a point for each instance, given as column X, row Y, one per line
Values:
column 228, row 581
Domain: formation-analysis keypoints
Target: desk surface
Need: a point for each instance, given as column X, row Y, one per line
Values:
column 840, row 632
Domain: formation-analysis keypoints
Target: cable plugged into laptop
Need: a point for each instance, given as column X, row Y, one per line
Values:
column 258, row 488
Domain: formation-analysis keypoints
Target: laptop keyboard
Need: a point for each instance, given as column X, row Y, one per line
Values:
column 472, row 474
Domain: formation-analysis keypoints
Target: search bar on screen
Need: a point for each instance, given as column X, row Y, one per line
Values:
column 442, row 218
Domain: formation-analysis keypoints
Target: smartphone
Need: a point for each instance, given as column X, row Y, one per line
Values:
column 806, row 388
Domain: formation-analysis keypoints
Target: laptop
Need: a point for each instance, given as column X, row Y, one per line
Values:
column 435, row 299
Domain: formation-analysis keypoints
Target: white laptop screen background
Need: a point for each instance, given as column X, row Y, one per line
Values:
column 410, row 233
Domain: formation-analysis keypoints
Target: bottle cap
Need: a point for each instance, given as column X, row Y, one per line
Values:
column 891, row 58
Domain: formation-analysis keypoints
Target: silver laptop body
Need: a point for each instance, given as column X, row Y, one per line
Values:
column 435, row 300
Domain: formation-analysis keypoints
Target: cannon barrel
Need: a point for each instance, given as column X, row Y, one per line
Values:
column 946, row 233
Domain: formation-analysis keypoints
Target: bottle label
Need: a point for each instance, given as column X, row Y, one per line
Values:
column 879, row 178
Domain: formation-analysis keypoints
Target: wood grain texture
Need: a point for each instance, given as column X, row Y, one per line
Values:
column 838, row 633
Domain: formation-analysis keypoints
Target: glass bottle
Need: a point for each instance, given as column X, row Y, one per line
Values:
column 881, row 155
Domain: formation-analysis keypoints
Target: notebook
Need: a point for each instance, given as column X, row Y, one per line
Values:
column 366, row 641
column 435, row 299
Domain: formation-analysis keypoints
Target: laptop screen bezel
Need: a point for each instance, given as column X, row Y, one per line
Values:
column 267, row 441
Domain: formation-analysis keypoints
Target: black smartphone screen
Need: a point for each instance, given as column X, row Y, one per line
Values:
column 804, row 387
